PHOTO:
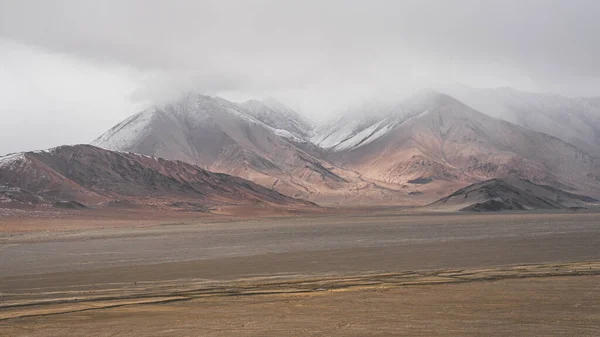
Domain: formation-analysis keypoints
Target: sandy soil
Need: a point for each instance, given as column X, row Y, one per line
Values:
column 382, row 273
column 533, row 300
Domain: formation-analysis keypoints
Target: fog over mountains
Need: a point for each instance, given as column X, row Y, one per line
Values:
column 199, row 151
column 408, row 151
column 81, row 68
column 574, row 120
column 516, row 151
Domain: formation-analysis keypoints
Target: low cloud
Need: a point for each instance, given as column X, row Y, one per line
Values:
column 316, row 55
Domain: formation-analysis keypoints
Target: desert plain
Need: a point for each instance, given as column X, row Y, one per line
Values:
column 352, row 272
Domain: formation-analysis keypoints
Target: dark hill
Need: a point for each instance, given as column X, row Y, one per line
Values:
column 510, row 194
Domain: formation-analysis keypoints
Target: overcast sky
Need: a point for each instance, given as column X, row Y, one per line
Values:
column 69, row 70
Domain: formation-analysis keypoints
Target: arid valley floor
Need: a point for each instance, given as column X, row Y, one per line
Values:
column 379, row 272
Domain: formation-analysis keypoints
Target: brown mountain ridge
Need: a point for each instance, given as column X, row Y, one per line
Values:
column 70, row 176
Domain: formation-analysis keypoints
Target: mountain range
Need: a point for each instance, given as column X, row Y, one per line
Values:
column 406, row 151
column 433, row 139
column 262, row 142
column 411, row 151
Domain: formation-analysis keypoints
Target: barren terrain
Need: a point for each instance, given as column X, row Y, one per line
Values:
column 380, row 272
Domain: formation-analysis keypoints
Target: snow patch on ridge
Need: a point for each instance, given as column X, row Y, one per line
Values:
column 136, row 126
column 286, row 134
column 366, row 136
column 358, row 138
column 378, row 134
column 337, row 135
column 12, row 160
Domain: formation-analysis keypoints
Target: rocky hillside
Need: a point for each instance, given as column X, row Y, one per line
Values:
column 433, row 139
column 88, row 175
column 510, row 194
